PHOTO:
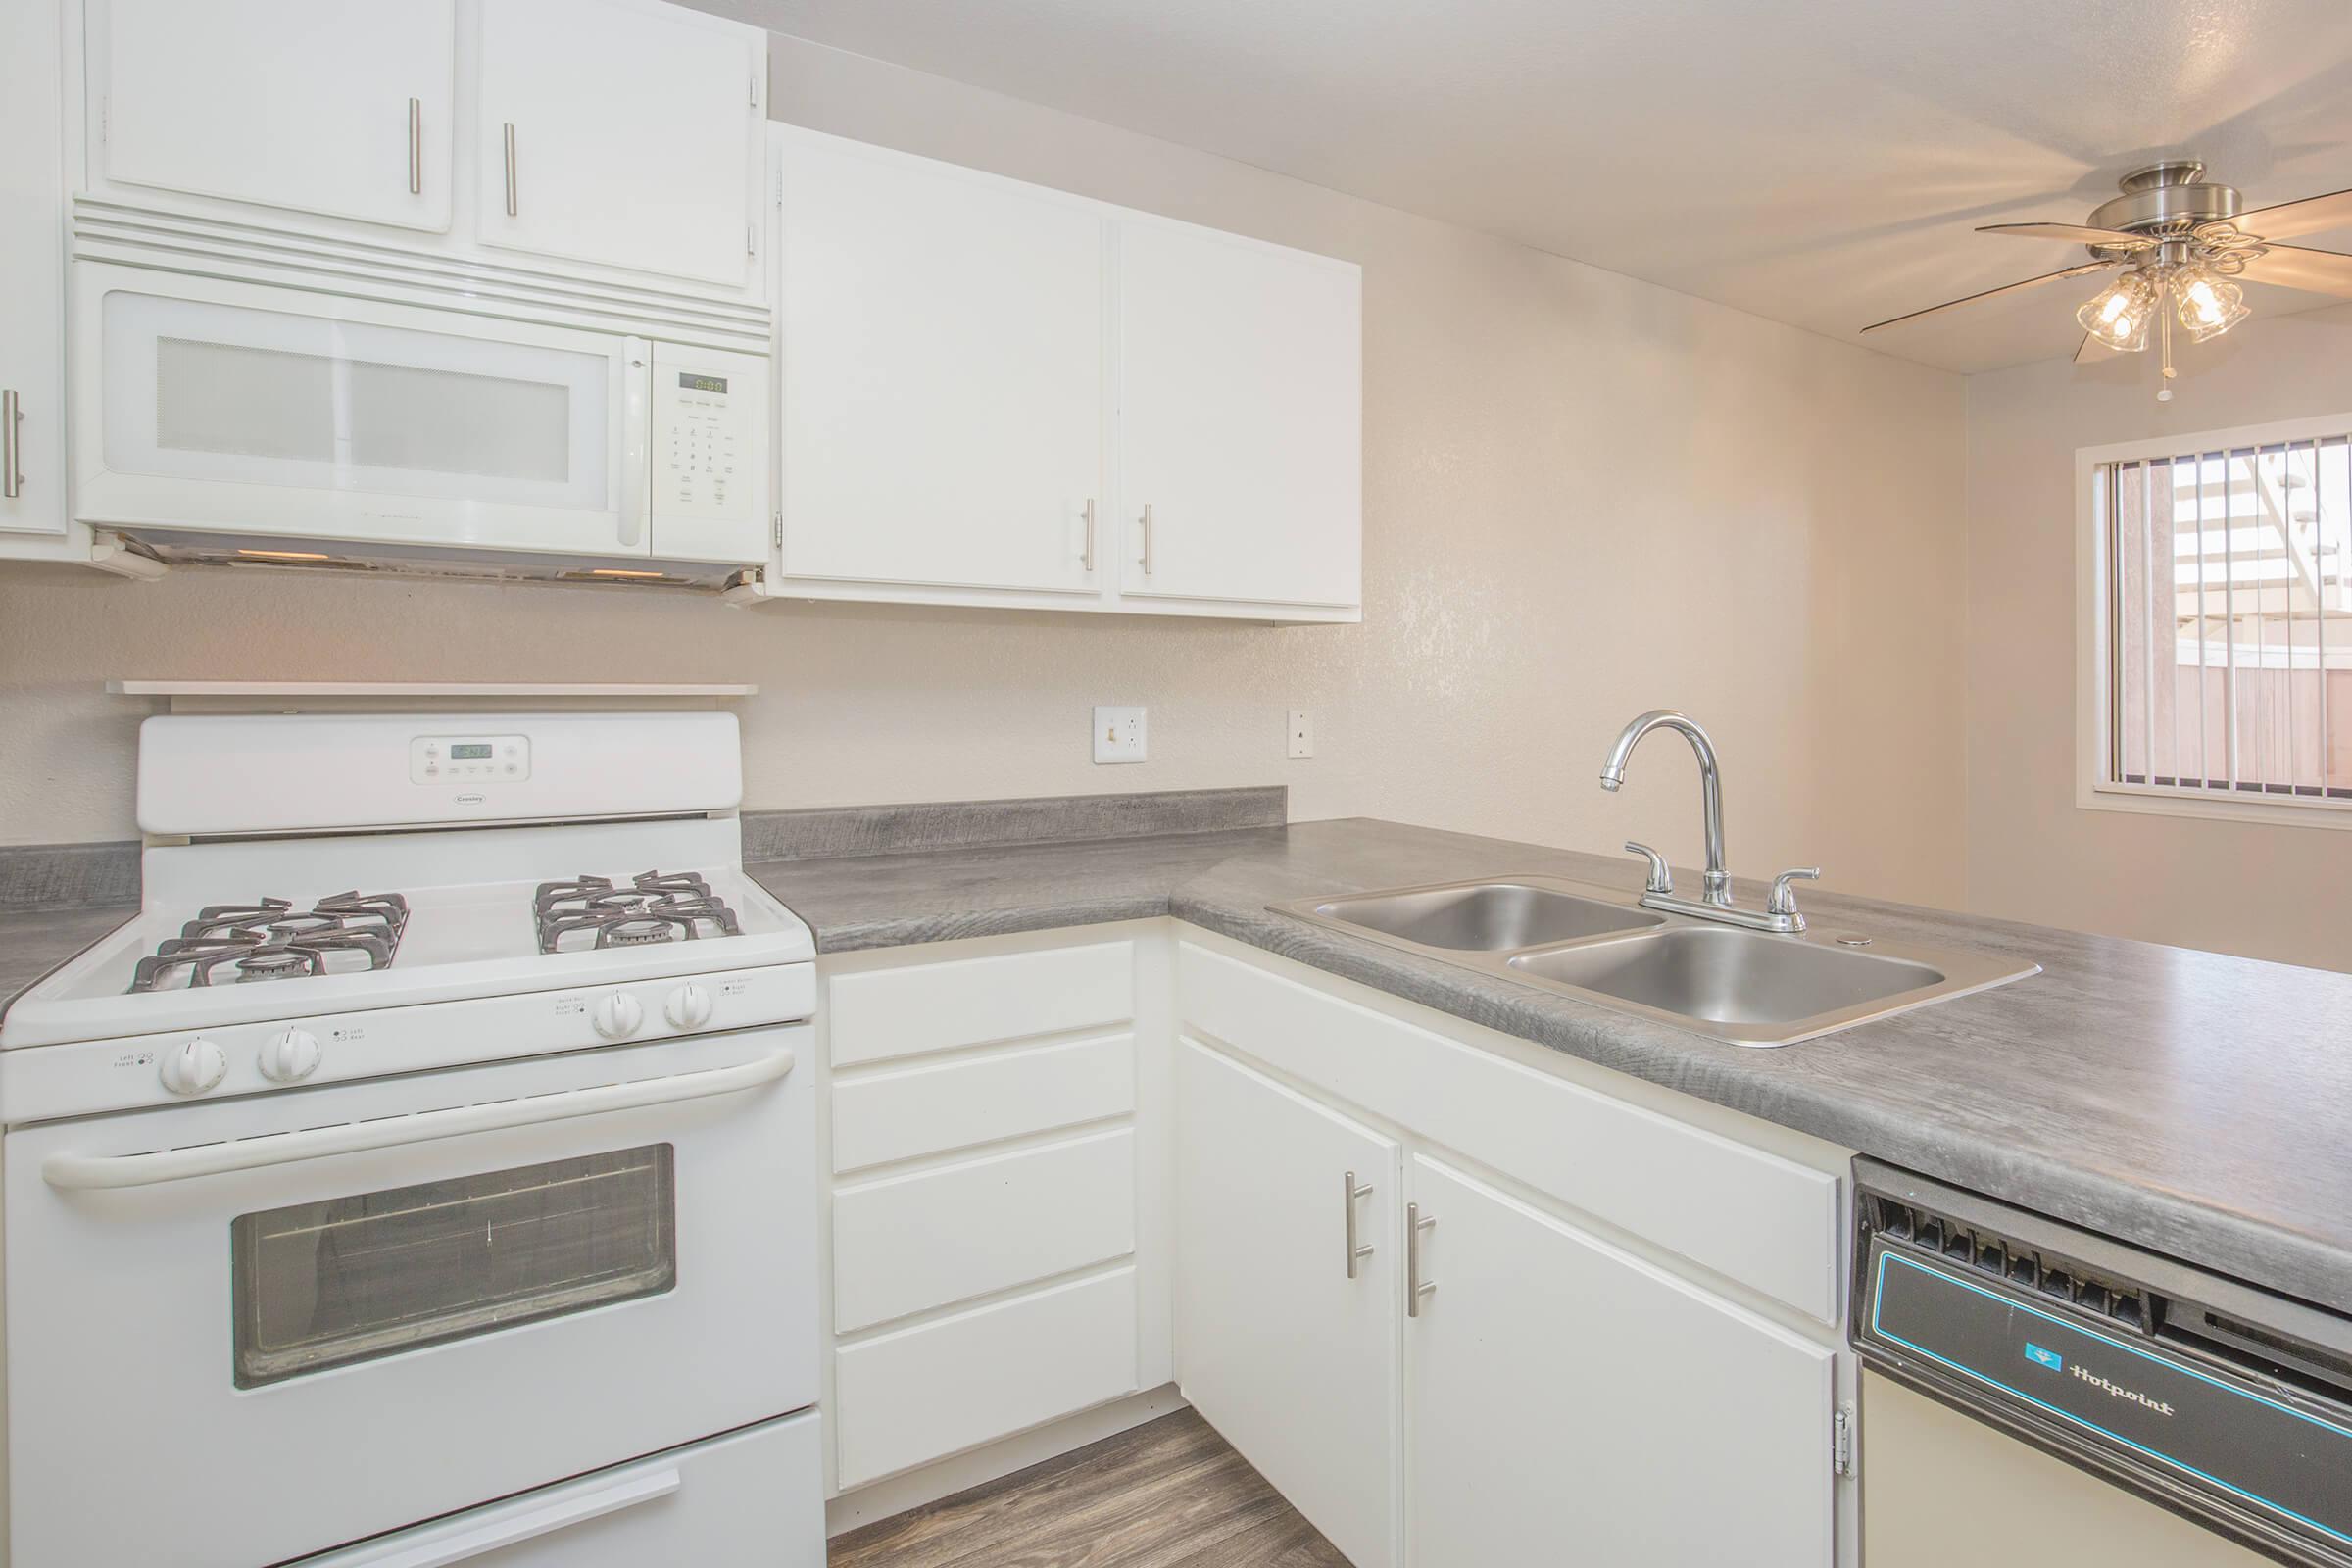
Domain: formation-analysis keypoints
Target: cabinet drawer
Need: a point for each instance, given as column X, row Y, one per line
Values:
column 1767, row 1222
column 701, row 1503
column 935, row 1107
column 880, row 1014
column 906, row 1398
column 907, row 1243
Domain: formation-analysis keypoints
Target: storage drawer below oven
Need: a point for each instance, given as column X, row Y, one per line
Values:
column 755, row 1497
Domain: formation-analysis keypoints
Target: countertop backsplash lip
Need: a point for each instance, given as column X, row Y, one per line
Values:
column 854, row 832
column 99, row 873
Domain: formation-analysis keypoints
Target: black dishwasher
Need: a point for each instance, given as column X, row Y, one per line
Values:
column 2225, row 1403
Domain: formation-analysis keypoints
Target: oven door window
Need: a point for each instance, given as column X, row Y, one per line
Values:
column 326, row 1284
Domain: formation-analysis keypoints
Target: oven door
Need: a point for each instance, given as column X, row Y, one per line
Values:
column 243, row 1332
column 231, row 409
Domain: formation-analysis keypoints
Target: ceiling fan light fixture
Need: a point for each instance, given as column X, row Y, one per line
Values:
column 2118, row 314
column 2209, row 306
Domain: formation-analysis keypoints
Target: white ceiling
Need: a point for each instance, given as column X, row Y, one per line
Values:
column 1818, row 162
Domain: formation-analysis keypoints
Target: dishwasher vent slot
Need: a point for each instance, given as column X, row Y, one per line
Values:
column 2060, row 1279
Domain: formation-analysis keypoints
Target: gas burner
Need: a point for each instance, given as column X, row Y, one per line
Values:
column 592, row 912
column 271, row 940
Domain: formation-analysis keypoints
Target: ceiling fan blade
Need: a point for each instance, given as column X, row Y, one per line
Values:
column 1993, row 293
column 2093, row 351
column 2116, row 238
column 2307, row 216
column 2293, row 267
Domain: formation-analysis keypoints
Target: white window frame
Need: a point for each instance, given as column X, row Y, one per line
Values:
column 2094, row 714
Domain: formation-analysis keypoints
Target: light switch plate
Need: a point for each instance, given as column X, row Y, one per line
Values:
column 1119, row 735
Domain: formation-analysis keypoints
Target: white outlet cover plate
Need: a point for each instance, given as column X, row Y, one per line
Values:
column 1299, row 733
column 1119, row 735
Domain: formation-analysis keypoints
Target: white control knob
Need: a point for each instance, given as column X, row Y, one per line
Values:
column 194, row 1067
column 290, row 1056
column 619, row 1015
column 688, row 1006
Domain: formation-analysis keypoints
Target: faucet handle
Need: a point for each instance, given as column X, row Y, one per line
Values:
column 1783, row 897
column 1661, row 877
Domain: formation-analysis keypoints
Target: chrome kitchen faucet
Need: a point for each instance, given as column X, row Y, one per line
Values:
column 1715, row 900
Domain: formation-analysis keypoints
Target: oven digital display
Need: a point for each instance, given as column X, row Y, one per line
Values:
column 461, row 751
column 703, row 383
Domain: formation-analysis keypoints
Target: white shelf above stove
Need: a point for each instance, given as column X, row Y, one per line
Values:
column 446, row 688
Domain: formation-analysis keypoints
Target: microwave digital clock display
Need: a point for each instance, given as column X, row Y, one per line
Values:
column 461, row 750
column 703, row 383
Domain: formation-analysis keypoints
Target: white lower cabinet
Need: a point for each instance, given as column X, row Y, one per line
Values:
column 1572, row 1403
column 1285, row 1295
column 1463, row 1303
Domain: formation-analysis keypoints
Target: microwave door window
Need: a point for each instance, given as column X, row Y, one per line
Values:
column 206, row 391
column 351, row 1279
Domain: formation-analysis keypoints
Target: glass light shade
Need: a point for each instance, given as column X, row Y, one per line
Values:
column 2209, row 306
column 2118, row 316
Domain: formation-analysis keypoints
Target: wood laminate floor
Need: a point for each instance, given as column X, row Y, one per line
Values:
column 1169, row 1494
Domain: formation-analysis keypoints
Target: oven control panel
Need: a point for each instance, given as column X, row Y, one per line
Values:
column 224, row 1060
column 470, row 759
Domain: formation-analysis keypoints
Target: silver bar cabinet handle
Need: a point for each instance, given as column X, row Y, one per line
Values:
column 1356, row 1253
column 415, row 147
column 1086, row 557
column 512, row 211
column 12, row 445
column 1415, row 1287
column 1147, row 540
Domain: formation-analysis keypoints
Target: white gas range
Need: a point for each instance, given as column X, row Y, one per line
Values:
column 423, row 1174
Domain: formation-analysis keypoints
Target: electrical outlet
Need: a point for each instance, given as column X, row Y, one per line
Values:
column 1303, row 733
column 1118, row 735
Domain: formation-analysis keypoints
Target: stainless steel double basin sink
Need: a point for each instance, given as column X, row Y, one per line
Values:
column 1749, row 988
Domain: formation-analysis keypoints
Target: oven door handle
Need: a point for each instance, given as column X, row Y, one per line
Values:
column 88, row 1172
column 504, row 1525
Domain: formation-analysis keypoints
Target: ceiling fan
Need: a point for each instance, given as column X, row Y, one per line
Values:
column 2181, row 238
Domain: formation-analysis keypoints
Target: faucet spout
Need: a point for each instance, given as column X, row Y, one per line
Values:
column 1718, row 881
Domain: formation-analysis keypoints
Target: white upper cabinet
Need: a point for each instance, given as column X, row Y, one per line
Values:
column 1240, row 419
column 33, row 386
column 344, row 107
column 622, row 133
column 942, row 365
column 987, row 384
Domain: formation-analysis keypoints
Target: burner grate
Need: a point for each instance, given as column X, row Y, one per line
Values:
column 594, row 911
column 272, row 939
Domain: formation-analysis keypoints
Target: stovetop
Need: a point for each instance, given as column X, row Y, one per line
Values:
column 271, row 939
column 249, row 930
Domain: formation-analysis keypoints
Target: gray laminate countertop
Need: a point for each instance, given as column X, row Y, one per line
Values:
column 31, row 944
column 2191, row 1103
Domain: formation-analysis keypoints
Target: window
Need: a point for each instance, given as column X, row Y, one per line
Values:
column 2221, row 626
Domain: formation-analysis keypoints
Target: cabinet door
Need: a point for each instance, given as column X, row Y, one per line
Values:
column 1572, row 1403
column 339, row 106
column 1241, row 407
column 33, row 390
column 942, row 342
column 624, row 133
column 1289, row 1359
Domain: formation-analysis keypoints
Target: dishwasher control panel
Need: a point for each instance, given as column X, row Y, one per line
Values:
column 2223, row 1403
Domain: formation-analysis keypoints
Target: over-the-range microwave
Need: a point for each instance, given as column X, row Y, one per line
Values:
column 224, row 420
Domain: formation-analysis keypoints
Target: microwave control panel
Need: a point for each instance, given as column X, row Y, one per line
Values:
column 470, row 759
column 706, row 415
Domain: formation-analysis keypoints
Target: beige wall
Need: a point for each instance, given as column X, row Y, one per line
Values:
column 1585, row 496
column 2265, row 891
